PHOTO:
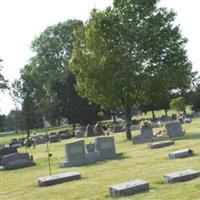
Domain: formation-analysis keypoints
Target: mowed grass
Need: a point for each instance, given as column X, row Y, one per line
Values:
column 138, row 162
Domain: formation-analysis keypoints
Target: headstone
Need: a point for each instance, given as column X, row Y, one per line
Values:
column 75, row 154
column 118, row 128
column 140, row 139
column 17, row 145
column 180, row 154
column 79, row 133
column 39, row 139
column 180, row 176
column 58, row 178
column 89, row 131
column 98, row 130
column 129, row 188
column 174, row 129
column 54, row 138
column 7, row 150
column 146, row 130
column 161, row 144
column 17, row 160
column 65, row 134
column 106, row 146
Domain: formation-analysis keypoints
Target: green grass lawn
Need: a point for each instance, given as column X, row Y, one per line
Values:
column 138, row 162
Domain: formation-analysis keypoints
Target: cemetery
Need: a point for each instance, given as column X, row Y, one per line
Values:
column 93, row 165
column 105, row 107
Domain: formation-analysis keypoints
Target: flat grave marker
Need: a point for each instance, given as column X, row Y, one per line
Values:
column 58, row 178
column 180, row 154
column 181, row 176
column 129, row 188
column 156, row 145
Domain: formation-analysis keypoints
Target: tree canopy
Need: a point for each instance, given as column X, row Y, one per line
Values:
column 122, row 51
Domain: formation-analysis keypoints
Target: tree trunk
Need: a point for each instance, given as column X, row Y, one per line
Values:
column 114, row 117
column 128, row 121
column 74, row 127
column 166, row 112
column 184, row 111
column 28, row 132
column 153, row 114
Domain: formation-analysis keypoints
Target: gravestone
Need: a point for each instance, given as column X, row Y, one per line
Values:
column 98, row 129
column 161, row 144
column 7, row 150
column 129, row 188
column 181, row 176
column 118, row 128
column 174, row 129
column 74, row 153
column 140, row 139
column 58, row 178
column 79, row 133
column 180, row 154
column 17, row 160
column 89, row 131
column 106, row 146
column 146, row 130
column 39, row 139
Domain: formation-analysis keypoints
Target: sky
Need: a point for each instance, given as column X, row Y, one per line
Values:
column 23, row 20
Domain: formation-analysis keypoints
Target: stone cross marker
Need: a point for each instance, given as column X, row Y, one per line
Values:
column 17, row 160
column 128, row 188
column 174, row 129
column 75, row 154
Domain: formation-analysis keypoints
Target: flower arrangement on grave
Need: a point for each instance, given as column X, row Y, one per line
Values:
column 145, row 123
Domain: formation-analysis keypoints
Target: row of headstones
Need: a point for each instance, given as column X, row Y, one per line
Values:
column 102, row 148
column 40, row 139
column 173, row 129
column 121, row 189
column 76, row 154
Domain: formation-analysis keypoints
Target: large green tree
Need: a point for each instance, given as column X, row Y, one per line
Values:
column 27, row 92
column 53, row 49
column 123, row 49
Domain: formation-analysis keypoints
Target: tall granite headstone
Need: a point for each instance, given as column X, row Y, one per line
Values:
column 74, row 153
column 106, row 146
column 174, row 129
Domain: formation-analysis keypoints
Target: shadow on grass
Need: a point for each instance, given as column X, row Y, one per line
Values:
column 119, row 156
column 192, row 136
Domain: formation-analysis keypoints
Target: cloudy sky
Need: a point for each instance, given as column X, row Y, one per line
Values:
column 22, row 20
